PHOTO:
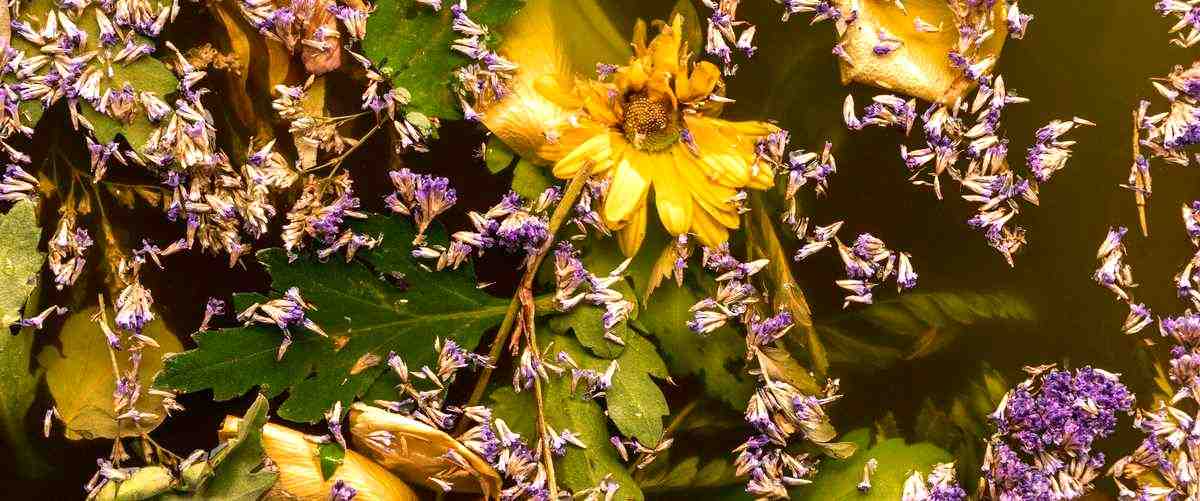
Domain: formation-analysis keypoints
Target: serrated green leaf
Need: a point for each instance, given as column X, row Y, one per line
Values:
column 414, row 42
column 914, row 326
column 839, row 479
column 635, row 402
column 331, row 456
column 579, row 468
column 20, row 262
column 586, row 323
column 352, row 301
column 237, row 471
column 956, row 423
column 716, row 359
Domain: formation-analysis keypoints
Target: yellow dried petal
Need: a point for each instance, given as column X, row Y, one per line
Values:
column 417, row 451
column 295, row 459
column 921, row 66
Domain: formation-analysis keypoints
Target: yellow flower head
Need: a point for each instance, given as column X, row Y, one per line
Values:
column 650, row 125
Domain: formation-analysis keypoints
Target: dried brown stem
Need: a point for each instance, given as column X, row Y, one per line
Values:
column 506, row 326
column 1139, row 195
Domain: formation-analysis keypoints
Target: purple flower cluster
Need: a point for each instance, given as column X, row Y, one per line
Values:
column 512, row 225
column 486, row 80
column 868, row 263
column 885, row 110
column 940, row 485
column 779, row 412
column 1187, row 29
column 575, row 284
column 421, row 196
column 285, row 312
column 1048, row 154
column 1045, row 430
column 723, row 31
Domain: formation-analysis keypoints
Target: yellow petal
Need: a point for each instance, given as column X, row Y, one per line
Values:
column 550, row 87
column 569, row 138
column 920, row 67
column 699, row 84
column 628, row 189
column 710, row 232
column 664, row 50
column 597, row 149
column 671, row 197
column 713, row 198
column 639, row 37
column 630, row 237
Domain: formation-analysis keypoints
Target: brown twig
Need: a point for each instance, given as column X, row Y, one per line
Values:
column 1139, row 180
column 506, row 326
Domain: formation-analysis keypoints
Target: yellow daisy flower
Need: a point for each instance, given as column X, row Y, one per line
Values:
column 651, row 127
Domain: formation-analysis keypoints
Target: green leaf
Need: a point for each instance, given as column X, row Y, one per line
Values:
column 19, row 260
column 331, row 456
column 238, row 474
column 414, row 42
column 897, row 459
column 914, row 326
column 579, row 468
column 635, row 402
column 691, row 472
column 81, row 379
column 146, row 74
column 716, row 359
column 530, row 180
column 497, row 156
column 352, row 301
column 957, row 422
column 586, row 322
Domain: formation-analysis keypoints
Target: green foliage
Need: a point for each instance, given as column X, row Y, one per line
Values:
column 579, row 468
column 146, row 74
column 19, row 259
column 19, row 265
column 667, row 473
column 635, row 403
column 237, row 472
column 330, row 456
column 497, row 156
column 716, row 359
column 353, row 301
column 413, row 42
column 897, row 459
column 914, row 326
column 957, row 423
column 530, row 180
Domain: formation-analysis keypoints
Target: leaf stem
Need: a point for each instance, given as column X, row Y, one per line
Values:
column 336, row 162
column 556, row 221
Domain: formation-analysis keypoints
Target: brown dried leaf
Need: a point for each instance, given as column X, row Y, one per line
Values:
column 921, row 66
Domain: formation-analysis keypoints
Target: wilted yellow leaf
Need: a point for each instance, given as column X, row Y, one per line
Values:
column 295, row 458
column 82, row 382
column 417, row 451
column 920, row 67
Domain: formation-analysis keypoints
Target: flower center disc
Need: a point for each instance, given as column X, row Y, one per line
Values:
column 650, row 124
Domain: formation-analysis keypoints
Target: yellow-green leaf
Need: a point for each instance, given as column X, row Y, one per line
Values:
column 82, row 382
